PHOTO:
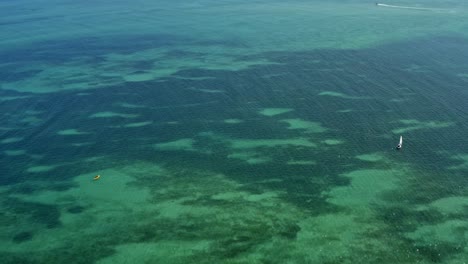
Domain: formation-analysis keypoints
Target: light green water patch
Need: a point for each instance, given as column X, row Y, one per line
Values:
column 273, row 75
column 33, row 112
column 308, row 126
column 175, row 194
column 127, row 105
column 205, row 90
column 463, row 159
column 8, row 98
column 274, row 111
column 250, row 157
column 41, row 168
column 71, row 132
column 229, row 196
column 371, row 157
column 206, row 191
column 450, row 232
column 233, row 121
column 249, row 144
column 111, row 74
column 449, row 205
column 215, row 195
column 413, row 124
column 16, row 152
column 36, row 156
column 345, row 111
column 416, row 68
column 112, row 114
column 399, row 100
column 341, row 95
column 365, row 188
column 301, row 162
column 333, row 142
column 112, row 187
column 201, row 78
column 11, row 140
column 95, row 158
column 138, row 77
column 139, row 124
column 185, row 144
column 81, row 144
column 160, row 252
column 176, row 208
column 186, row 105
column 173, row 123
column 269, row 143
column 334, row 238
column 31, row 120
column 244, row 149
column 217, row 60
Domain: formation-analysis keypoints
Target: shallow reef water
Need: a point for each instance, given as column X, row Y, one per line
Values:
column 233, row 132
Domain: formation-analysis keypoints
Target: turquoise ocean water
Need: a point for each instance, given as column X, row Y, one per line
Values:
column 233, row 131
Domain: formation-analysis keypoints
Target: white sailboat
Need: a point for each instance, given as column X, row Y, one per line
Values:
column 400, row 144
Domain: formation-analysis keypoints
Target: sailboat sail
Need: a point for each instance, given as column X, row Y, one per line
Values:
column 400, row 143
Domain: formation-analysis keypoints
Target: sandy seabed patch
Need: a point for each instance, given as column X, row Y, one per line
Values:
column 274, row 111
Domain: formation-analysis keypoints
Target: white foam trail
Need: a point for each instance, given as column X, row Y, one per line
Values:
column 411, row 7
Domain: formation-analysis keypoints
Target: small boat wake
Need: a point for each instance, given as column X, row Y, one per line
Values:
column 413, row 8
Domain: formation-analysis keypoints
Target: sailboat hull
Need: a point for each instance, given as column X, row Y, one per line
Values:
column 400, row 144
